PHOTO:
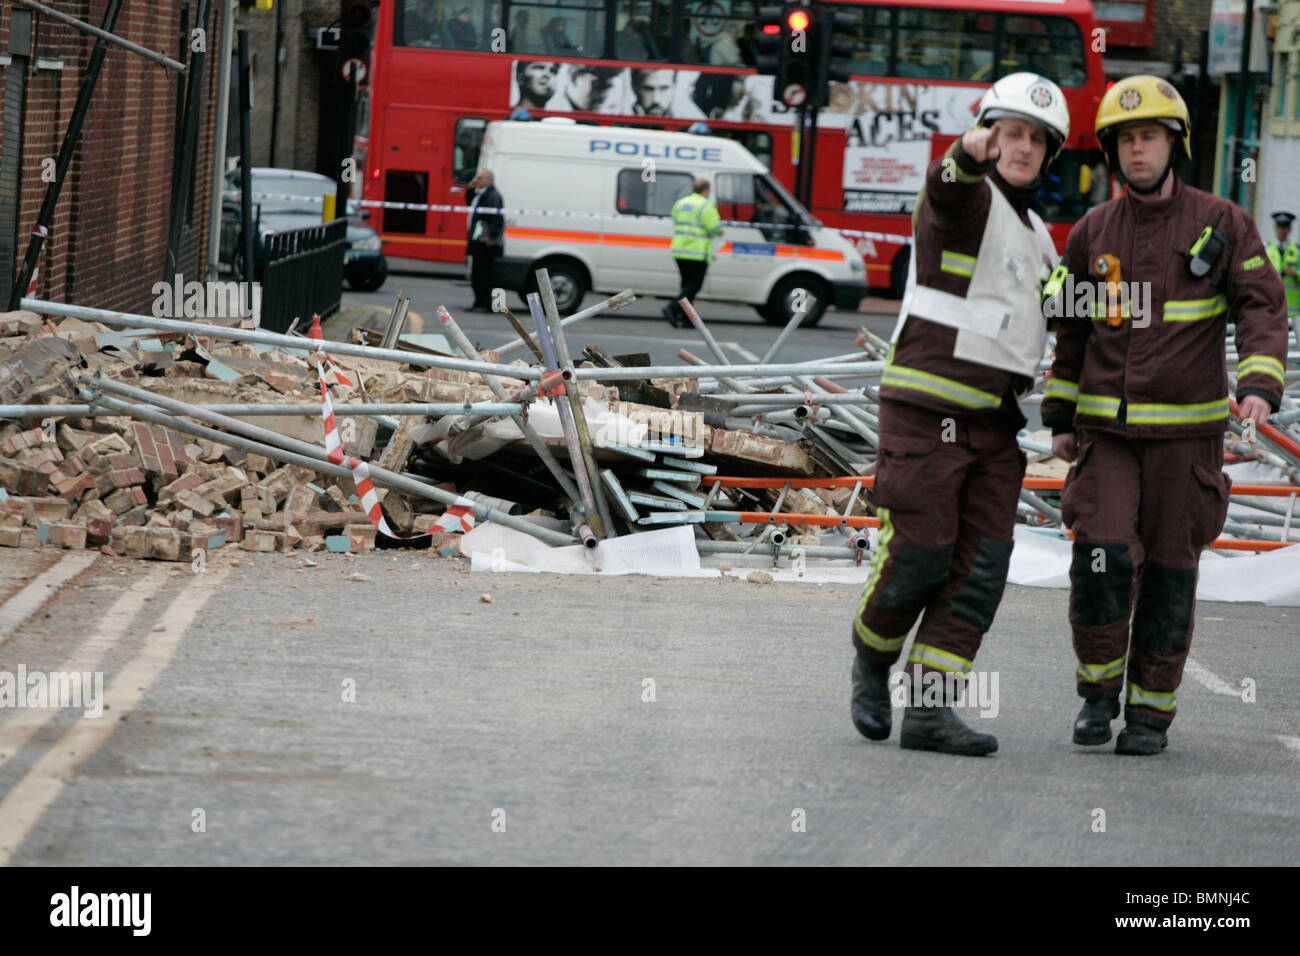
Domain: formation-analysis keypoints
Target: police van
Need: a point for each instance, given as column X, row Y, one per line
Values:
column 592, row 204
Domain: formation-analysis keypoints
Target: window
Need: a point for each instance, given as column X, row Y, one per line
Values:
column 1280, row 83
column 568, row 28
column 468, row 144
column 720, row 32
column 753, row 199
column 1052, row 46
column 871, row 40
column 446, row 24
column 643, row 30
column 944, row 44
column 637, row 197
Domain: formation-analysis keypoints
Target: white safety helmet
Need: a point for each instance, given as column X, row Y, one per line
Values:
column 1032, row 97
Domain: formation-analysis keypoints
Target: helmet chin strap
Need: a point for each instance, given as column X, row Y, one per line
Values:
column 1169, row 168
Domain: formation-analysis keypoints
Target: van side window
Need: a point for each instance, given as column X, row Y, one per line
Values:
column 639, row 198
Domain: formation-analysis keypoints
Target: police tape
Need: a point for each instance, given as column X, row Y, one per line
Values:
column 563, row 214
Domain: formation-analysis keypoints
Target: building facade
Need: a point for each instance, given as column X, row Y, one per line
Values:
column 107, row 242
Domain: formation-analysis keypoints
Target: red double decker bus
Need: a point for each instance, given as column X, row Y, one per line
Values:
column 442, row 69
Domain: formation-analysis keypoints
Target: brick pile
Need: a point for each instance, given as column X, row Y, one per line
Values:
column 139, row 489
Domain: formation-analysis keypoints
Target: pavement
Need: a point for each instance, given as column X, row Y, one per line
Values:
column 374, row 710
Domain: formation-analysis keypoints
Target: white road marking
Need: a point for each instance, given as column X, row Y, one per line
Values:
column 24, row 805
column 31, row 598
column 743, row 352
column 1210, row 679
column 25, row 722
column 1292, row 743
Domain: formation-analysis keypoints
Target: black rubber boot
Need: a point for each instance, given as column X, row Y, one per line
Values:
column 870, row 708
column 1092, row 726
column 1142, row 736
column 938, row 728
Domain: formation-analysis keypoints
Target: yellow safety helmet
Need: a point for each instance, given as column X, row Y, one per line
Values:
column 1137, row 98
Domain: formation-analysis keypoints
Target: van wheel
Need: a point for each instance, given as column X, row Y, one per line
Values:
column 898, row 273
column 568, row 284
column 792, row 292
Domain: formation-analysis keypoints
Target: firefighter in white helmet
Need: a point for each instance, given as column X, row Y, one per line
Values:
column 969, row 339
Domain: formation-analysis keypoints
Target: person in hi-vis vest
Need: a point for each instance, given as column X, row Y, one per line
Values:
column 1285, row 256
column 969, row 340
column 695, row 227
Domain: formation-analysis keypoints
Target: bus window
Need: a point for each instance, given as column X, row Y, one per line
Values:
column 944, row 45
column 720, row 32
column 1052, row 46
column 568, row 28
column 446, row 24
column 636, row 197
column 871, row 40
column 468, row 144
column 642, row 30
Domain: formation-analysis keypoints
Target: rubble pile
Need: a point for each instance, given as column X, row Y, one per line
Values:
column 165, row 439
column 137, row 488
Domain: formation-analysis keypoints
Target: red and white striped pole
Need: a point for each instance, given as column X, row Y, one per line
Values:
column 44, row 233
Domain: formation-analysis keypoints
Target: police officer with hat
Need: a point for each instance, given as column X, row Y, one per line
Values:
column 1285, row 256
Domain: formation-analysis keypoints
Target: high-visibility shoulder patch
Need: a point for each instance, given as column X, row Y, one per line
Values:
column 1254, row 262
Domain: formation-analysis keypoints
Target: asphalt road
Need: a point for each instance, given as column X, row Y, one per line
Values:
column 266, row 712
column 739, row 329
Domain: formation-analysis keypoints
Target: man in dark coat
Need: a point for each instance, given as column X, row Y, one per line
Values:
column 487, row 231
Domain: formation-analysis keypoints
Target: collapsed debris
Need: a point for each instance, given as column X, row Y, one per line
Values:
column 164, row 439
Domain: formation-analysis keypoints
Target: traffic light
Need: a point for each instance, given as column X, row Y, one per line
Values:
column 771, row 40
column 831, row 50
column 356, row 30
column 796, row 67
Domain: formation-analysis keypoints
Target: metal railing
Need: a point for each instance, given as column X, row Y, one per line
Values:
column 303, row 274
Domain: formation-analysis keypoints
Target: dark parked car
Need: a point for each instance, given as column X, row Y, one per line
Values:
column 364, row 265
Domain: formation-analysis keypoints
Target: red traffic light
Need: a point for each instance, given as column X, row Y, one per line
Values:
column 798, row 20
column 772, row 29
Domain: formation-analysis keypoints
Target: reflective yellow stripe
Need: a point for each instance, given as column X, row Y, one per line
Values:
column 1151, row 698
column 1261, row 365
column 956, row 263
column 1100, row 672
column 1146, row 414
column 1102, row 406
column 950, row 164
column 939, row 660
column 1193, row 310
column 878, row 560
column 1060, row 388
column 900, row 376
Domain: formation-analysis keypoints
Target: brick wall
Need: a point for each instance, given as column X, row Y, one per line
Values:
column 1180, row 19
column 108, row 239
column 300, row 81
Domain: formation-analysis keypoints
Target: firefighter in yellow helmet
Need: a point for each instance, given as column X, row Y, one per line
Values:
column 1138, row 401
